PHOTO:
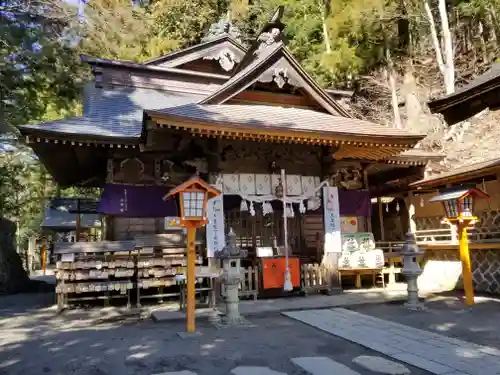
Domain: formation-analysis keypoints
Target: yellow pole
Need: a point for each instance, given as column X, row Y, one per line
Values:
column 44, row 259
column 466, row 267
column 190, row 280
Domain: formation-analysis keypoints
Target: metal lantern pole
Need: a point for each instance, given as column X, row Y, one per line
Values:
column 287, row 286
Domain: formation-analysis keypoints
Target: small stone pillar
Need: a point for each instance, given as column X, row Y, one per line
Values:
column 411, row 270
column 231, row 277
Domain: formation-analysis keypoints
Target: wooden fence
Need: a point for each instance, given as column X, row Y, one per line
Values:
column 314, row 278
column 449, row 236
column 249, row 286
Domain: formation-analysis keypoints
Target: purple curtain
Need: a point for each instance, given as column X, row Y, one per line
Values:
column 355, row 203
column 136, row 201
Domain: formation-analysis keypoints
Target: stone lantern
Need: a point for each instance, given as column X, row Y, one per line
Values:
column 411, row 270
column 231, row 277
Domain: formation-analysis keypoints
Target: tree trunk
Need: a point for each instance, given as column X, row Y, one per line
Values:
column 492, row 26
column 434, row 37
column 324, row 9
column 13, row 277
column 391, row 76
column 412, row 104
column 403, row 29
column 449, row 76
column 484, row 49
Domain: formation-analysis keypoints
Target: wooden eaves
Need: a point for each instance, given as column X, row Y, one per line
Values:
column 459, row 176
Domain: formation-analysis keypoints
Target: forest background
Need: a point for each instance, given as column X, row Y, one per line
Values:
column 393, row 54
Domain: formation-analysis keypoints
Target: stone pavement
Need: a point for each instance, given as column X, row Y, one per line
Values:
column 314, row 366
column 396, row 292
column 435, row 353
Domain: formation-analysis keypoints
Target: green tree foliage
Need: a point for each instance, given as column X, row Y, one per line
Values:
column 338, row 42
column 37, row 64
column 24, row 187
column 119, row 30
column 184, row 22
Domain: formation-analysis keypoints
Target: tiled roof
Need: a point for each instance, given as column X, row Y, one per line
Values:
column 492, row 73
column 60, row 213
column 260, row 63
column 224, row 39
column 72, row 205
column 464, row 170
column 54, row 219
column 116, row 112
column 482, row 80
column 272, row 117
column 153, row 68
column 415, row 154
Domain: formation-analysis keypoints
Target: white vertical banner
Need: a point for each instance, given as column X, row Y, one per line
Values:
column 331, row 209
column 216, row 238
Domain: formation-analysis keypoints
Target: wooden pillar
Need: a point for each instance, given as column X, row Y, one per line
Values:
column 381, row 218
column 44, row 259
column 77, row 239
column 109, row 229
column 367, row 188
column 190, row 280
column 77, row 234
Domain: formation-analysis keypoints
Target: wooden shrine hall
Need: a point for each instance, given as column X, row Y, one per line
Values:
column 236, row 116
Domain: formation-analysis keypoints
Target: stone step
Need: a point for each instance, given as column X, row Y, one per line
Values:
column 322, row 366
column 255, row 370
column 381, row 365
column 183, row 372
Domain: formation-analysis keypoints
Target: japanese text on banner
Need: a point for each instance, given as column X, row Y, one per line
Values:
column 215, row 226
column 331, row 209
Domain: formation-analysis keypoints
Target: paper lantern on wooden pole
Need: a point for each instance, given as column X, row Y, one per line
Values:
column 458, row 205
column 193, row 197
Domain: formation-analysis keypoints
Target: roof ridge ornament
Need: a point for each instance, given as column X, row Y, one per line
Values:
column 269, row 36
column 272, row 32
column 222, row 27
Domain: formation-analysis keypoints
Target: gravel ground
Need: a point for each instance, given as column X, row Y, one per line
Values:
column 35, row 340
column 448, row 316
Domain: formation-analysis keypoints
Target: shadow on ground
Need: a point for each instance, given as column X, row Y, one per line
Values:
column 37, row 341
column 447, row 314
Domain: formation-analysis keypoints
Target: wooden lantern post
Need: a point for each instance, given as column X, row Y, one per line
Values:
column 193, row 196
column 458, row 204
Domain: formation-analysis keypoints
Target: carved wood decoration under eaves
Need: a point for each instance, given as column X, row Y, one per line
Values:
column 348, row 178
column 256, row 157
column 281, row 73
column 226, row 57
column 132, row 171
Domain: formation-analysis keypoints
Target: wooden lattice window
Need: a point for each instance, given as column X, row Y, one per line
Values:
column 241, row 223
column 264, row 230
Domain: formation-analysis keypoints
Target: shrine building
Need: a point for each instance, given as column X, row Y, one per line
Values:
column 236, row 116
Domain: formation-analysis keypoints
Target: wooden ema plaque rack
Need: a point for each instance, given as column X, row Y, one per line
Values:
column 86, row 272
column 160, row 258
column 106, row 270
